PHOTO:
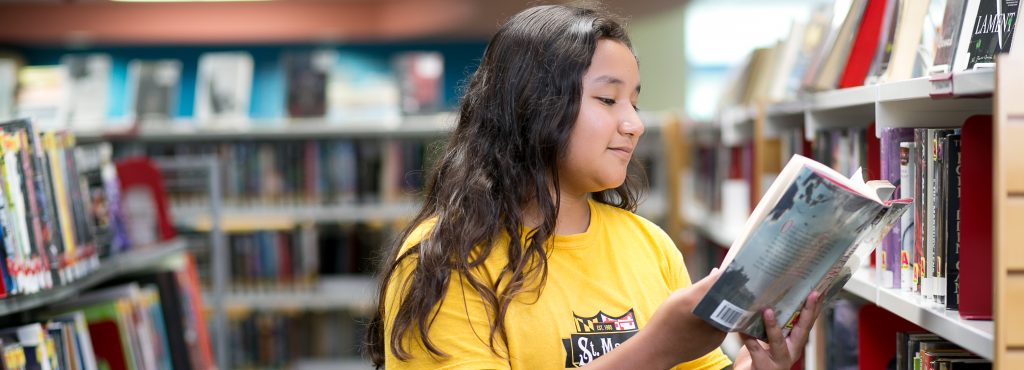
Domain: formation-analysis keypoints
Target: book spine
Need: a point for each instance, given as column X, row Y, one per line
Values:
column 952, row 224
column 907, row 255
column 940, row 219
column 920, row 205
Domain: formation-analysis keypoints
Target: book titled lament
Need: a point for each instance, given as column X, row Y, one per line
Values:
column 808, row 233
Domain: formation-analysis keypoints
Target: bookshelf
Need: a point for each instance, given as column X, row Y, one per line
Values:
column 974, row 335
column 117, row 265
column 905, row 104
column 334, row 293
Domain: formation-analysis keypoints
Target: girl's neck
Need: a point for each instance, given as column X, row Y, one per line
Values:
column 573, row 215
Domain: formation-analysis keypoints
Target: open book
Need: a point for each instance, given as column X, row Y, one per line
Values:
column 809, row 232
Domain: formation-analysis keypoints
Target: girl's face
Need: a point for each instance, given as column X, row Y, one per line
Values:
column 608, row 127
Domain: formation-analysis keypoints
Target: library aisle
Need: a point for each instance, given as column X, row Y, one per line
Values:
column 212, row 184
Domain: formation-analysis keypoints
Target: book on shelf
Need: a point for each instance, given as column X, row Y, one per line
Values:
column 223, row 89
column 987, row 30
column 865, row 44
column 975, row 267
column 306, row 76
column 361, row 89
column 886, row 37
column 810, row 231
column 88, row 90
column 8, row 84
column 946, row 44
column 144, row 201
column 421, row 81
column 891, row 253
column 40, row 94
column 153, row 89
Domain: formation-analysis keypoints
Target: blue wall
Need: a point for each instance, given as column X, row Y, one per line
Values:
column 460, row 59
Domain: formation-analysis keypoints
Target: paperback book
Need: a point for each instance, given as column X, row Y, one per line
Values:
column 808, row 233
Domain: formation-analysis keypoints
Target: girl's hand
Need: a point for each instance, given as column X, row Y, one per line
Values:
column 780, row 352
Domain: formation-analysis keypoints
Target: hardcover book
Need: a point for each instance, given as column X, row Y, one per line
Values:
column 809, row 232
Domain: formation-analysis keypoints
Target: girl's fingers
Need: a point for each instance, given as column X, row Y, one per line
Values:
column 776, row 341
column 758, row 355
column 807, row 316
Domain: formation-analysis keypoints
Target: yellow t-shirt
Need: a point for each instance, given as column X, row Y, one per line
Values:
column 603, row 285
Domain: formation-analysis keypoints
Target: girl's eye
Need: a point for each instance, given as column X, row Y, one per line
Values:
column 636, row 108
column 607, row 101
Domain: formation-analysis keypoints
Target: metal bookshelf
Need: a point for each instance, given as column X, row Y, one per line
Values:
column 910, row 104
column 712, row 225
column 282, row 217
column 974, row 335
column 180, row 130
column 333, row 293
column 338, row 364
column 117, row 265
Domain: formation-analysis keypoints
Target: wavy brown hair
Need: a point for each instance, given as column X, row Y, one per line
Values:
column 513, row 127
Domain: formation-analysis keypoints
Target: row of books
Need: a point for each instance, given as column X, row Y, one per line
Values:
column 264, row 340
column 306, row 172
column 50, row 229
column 62, row 209
column 948, row 174
column 927, row 351
column 864, row 42
column 154, row 322
column 296, row 259
column 340, row 87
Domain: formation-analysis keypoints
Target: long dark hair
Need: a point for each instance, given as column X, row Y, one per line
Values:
column 513, row 128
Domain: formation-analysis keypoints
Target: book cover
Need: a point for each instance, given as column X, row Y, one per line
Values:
column 809, row 232
column 988, row 30
column 908, row 256
column 865, row 44
column 951, row 263
column 143, row 202
column 931, row 33
column 953, row 19
column 883, row 51
column 362, row 89
column 976, row 218
column 8, row 83
column 421, row 77
column 153, row 89
column 223, row 89
column 306, row 75
column 892, row 139
column 88, row 84
column 41, row 95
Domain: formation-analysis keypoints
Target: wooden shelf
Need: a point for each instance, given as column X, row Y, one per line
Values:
column 114, row 266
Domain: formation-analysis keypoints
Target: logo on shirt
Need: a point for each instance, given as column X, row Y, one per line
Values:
column 596, row 336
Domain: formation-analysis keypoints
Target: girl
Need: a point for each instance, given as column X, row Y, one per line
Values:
column 527, row 253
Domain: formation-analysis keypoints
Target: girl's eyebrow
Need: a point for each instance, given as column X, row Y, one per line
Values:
column 611, row 80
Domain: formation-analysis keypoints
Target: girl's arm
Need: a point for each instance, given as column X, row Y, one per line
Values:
column 672, row 336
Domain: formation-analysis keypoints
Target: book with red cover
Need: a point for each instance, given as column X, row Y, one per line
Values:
column 876, row 333
column 976, row 218
column 139, row 175
column 858, row 64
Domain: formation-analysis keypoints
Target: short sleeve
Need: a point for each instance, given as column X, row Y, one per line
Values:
column 460, row 329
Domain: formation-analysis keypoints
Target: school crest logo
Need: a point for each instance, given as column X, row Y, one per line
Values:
column 597, row 335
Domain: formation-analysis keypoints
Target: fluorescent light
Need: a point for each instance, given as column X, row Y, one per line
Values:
column 185, row 1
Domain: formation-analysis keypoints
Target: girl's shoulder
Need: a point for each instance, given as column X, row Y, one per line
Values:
column 417, row 234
